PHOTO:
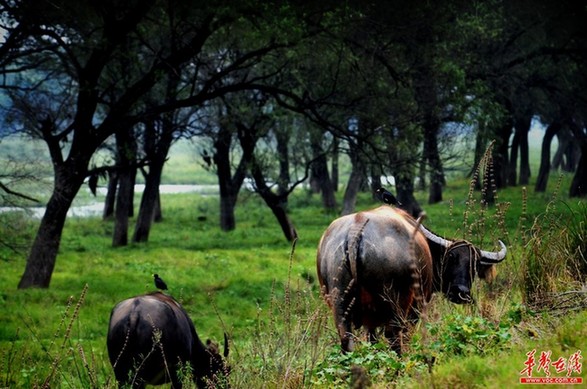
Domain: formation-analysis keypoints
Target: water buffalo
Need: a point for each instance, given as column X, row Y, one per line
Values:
column 378, row 268
column 151, row 337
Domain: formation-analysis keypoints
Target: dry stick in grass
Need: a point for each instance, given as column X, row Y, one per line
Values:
column 10, row 359
column 126, row 338
column 287, row 296
column 89, row 370
column 305, row 331
column 485, row 161
column 57, row 360
column 156, row 342
column 224, row 328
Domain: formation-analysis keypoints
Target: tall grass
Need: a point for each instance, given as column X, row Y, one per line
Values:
column 554, row 260
column 63, row 361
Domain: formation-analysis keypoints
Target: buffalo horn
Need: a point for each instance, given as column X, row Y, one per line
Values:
column 225, row 345
column 435, row 238
column 489, row 258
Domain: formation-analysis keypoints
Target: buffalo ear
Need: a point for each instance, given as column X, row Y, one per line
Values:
column 486, row 272
column 212, row 347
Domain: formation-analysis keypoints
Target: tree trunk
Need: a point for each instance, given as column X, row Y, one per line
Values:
column 375, row 180
column 500, row 156
column 229, row 184
column 157, row 154
column 543, row 172
column 579, row 183
column 149, row 198
column 69, row 176
column 405, row 193
column 565, row 138
column 432, row 155
column 157, row 213
column 110, row 199
column 320, row 174
column 512, row 171
column 275, row 202
column 522, row 123
column 525, row 173
column 422, row 175
column 282, row 138
column 355, row 179
column 126, row 148
column 123, row 196
column 403, row 161
column 43, row 254
column 334, row 164
column 425, row 86
column 228, row 195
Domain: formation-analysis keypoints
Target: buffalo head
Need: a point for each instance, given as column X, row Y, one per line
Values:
column 456, row 264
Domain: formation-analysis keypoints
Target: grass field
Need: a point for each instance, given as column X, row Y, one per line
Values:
column 253, row 285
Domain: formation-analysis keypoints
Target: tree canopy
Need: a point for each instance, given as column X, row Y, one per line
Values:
column 384, row 82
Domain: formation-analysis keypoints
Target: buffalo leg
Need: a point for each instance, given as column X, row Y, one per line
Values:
column 394, row 335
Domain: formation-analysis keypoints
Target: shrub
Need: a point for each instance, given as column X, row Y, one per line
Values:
column 375, row 362
column 465, row 335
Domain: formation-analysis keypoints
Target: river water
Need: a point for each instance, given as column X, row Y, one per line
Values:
column 96, row 208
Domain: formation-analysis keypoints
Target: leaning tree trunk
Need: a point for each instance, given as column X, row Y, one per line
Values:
column 543, row 172
column 69, row 174
column 275, row 202
column 69, row 178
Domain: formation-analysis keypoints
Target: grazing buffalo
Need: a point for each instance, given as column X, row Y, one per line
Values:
column 379, row 268
column 151, row 337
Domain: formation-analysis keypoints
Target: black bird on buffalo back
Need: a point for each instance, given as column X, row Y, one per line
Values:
column 385, row 196
column 159, row 283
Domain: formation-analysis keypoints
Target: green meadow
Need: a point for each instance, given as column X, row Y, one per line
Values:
column 262, row 291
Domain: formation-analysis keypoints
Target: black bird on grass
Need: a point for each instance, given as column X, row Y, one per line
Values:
column 159, row 283
column 386, row 196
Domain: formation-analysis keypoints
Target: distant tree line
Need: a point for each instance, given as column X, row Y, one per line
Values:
column 278, row 91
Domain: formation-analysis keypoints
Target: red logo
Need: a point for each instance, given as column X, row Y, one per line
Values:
column 564, row 368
